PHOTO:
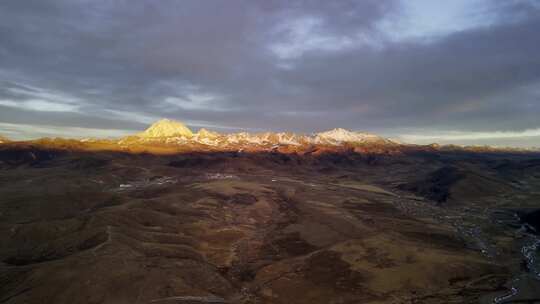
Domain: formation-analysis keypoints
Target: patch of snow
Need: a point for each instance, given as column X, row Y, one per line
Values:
column 219, row 176
column 146, row 183
column 339, row 135
column 177, row 140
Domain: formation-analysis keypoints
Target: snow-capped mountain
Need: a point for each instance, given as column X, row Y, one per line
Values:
column 166, row 128
column 3, row 140
column 339, row 136
column 206, row 137
column 267, row 138
column 284, row 138
column 172, row 132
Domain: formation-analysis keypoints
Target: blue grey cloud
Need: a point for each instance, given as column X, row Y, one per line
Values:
column 295, row 65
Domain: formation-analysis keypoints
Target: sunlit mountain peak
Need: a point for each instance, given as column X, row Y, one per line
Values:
column 167, row 128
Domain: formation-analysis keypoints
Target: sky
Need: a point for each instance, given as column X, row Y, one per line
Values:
column 420, row 71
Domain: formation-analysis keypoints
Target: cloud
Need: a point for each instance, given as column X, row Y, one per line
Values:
column 471, row 135
column 280, row 65
column 39, row 105
column 526, row 138
column 27, row 131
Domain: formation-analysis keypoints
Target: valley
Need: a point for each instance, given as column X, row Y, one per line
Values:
column 329, row 226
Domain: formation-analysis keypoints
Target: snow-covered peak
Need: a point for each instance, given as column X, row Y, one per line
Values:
column 340, row 135
column 285, row 138
column 243, row 137
column 267, row 138
column 206, row 137
column 204, row 133
column 167, row 128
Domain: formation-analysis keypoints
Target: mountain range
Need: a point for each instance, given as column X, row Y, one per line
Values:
column 171, row 132
column 171, row 135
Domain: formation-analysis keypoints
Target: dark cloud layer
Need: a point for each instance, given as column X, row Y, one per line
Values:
column 296, row 65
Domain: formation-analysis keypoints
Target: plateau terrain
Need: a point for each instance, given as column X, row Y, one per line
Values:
column 173, row 216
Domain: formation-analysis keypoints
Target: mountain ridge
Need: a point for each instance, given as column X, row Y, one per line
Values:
column 171, row 131
column 171, row 136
